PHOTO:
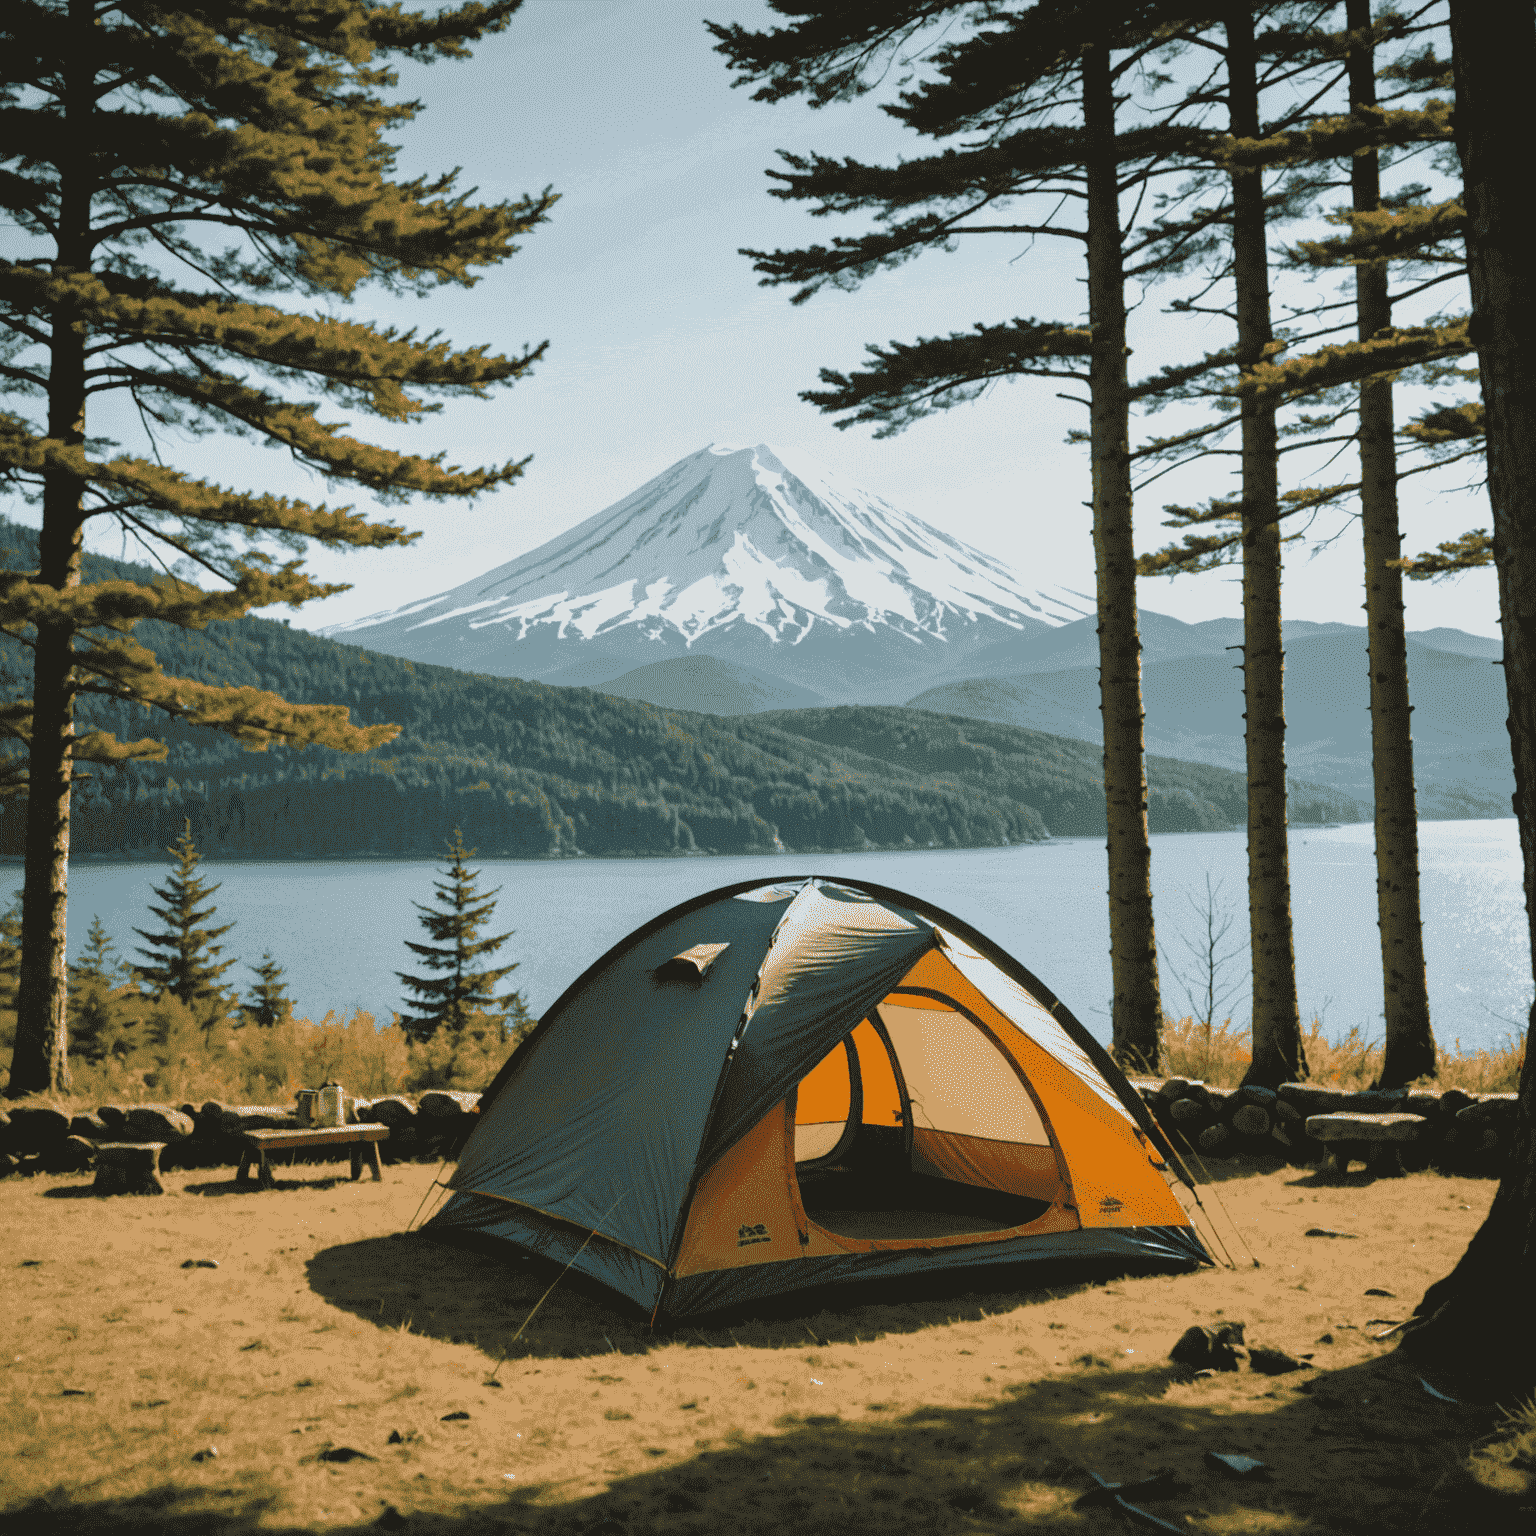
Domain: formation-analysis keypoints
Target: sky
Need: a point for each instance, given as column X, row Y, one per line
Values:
column 662, row 341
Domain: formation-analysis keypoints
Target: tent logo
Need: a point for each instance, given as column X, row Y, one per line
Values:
column 1110, row 1204
column 746, row 1236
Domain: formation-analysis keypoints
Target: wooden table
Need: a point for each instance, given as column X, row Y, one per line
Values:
column 361, row 1138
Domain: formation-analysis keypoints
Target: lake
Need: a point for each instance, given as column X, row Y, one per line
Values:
column 339, row 928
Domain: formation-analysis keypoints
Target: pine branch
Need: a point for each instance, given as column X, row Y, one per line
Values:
column 908, row 381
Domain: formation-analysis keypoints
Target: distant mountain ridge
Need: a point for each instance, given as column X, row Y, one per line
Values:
column 1194, row 707
column 755, row 556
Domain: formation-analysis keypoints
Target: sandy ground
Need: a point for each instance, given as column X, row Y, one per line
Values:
column 323, row 1329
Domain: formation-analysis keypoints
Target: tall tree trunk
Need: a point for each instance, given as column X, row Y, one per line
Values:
column 1138, row 1011
column 40, row 1061
column 1410, row 1051
column 1277, row 1054
column 1477, row 1321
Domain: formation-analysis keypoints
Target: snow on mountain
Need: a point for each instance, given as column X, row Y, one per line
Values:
column 755, row 555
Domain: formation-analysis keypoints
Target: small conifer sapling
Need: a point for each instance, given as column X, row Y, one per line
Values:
column 182, row 958
column 460, row 988
column 269, row 1003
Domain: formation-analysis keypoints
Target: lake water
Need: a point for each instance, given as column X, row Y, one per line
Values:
column 339, row 928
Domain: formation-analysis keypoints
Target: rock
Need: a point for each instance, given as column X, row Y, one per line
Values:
column 157, row 1122
column 92, row 1127
column 199, row 1263
column 114, row 1117
column 1376, row 1290
column 1273, row 1362
column 1235, row 1465
column 1328, row 1232
column 1212, row 1138
column 35, row 1128
column 1283, row 1136
column 457, row 1414
column 212, row 1111
column 1426, row 1104
column 1186, row 1110
column 129, row 1167
column 391, row 1519
column 8, row 1164
column 396, row 1438
column 189, row 1110
column 208, row 1453
column 1251, row 1120
column 1255, row 1093
column 1220, row 1099
column 1175, row 1088
column 1286, row 1112
column 1454, row 1099
column 346, row 1453
column 72, row 1155
column 1311, row 1098
column 1209, row 1349
column 442, row 1104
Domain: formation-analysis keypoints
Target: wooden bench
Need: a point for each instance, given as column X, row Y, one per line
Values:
column 1371, row 1139
column 361, row 1138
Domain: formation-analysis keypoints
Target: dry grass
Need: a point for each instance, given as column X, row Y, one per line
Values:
column 1220, row 1056
column 323, row 1328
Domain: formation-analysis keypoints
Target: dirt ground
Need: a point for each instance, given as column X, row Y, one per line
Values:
column 325, row 1330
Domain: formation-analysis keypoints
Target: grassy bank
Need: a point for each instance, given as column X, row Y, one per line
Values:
column 1220, row 1054
column 165, row 1056
column 324, row 1331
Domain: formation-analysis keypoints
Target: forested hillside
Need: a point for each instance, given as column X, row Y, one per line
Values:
column 528, row 770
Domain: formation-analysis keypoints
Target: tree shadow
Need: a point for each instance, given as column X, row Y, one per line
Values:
column 1022, row 1459
column 482, row 1293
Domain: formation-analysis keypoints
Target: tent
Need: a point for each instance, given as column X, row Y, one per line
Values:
column 777, row 1087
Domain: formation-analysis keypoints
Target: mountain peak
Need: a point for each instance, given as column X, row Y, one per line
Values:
column 744, row 551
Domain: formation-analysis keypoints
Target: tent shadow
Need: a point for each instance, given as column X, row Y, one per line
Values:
column 482, row 1293
column 1023, row 1459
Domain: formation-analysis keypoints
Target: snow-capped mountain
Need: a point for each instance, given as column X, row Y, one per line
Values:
column 752, row 555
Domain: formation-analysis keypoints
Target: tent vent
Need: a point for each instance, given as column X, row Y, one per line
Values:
column 692, row 965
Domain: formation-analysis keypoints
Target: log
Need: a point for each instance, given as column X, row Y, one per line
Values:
column 35, row 1128
column 157, row 1122
column 1251, row 1120
column 72, row 1155
column 440, row 1103
column 394, row 1111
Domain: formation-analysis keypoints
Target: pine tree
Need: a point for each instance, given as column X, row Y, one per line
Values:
column 460, row 990
column 98, row 961
column 269, row 1003
column 185, row 170
column 182, row 958
column 1475, row 1323
column 1011, row 85
column 1254, row 525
